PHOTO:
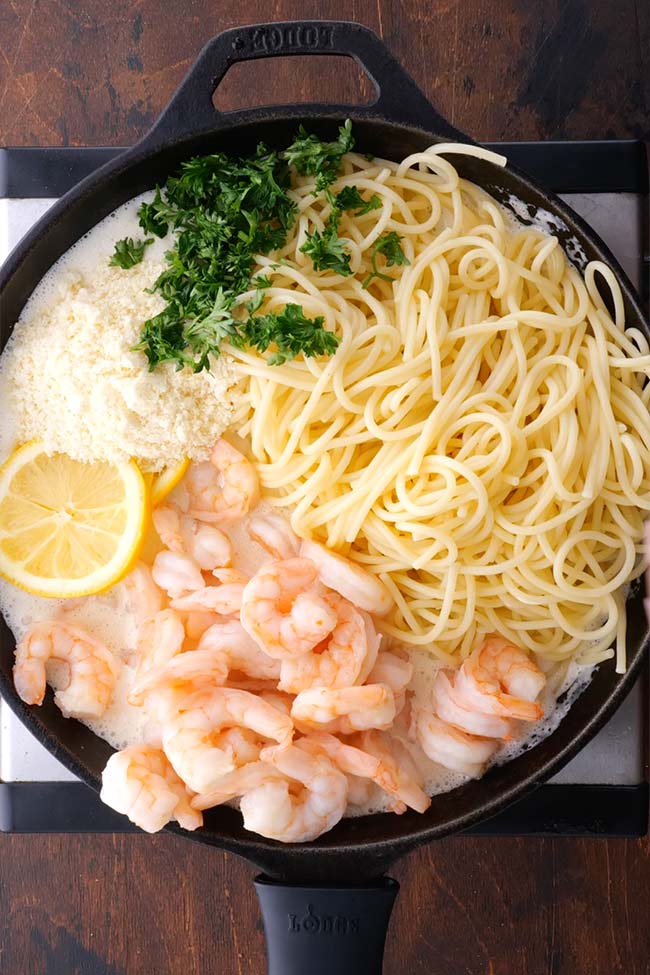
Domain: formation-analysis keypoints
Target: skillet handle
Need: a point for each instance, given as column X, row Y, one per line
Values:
column 325, row 930
column 191, row 112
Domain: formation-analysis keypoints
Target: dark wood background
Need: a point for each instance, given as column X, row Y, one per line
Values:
column 98, row 72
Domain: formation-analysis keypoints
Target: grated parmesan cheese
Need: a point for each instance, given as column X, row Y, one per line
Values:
column 75, row 383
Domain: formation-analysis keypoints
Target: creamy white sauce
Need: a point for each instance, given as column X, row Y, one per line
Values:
column 96, row 247
column 122, row 724
column 519, row 214
column 556, row 702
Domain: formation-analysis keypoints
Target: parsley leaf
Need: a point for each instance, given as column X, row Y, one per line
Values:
column 161, row 339
column 350, row 199
column 326, row 248
column 291, row 332
column 388, row 245
column 311, row 157
column 154, row 217
column 129, row 252
column 204, row 335
column 254, row 303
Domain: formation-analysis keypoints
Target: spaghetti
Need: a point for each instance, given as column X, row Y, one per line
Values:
column 481, row 438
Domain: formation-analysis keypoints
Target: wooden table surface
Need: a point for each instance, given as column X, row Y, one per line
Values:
column 93, row 72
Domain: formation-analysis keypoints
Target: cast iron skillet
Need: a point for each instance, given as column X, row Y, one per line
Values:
column 326, row 905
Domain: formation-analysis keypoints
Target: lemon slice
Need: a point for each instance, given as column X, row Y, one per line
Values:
column 67, row 528
column 166, row 480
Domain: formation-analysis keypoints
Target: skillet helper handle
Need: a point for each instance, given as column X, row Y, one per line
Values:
column 325, row 930
column 191, row 111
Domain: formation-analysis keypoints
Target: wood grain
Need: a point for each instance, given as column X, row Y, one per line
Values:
column 87, row 73
column 94, row 72
column 134, row 905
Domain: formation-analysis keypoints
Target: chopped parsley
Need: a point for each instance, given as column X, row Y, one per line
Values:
column 154, row 217
column 350, row 199
column 290, row 331
column 255, row 303
column 224, row 212
column 326, row 248
column 129, row 252
column 388, row 245
column 311, row 157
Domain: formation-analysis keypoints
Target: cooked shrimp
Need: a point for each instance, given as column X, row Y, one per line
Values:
column 492, row 671
column 197, row 490
column 165, row 691
column 167, row 522
column 223, row 489
column 184, row 675
column 144, row 598
column 344, row 710
column 279, row 700
column 92, row 668
column 176, row 574
column 229, row 575
column 196, row 623
column 256, row 685
column 196, row 740
column 280, row 811
column 237, row 783
column 360, row 791
column 135, row 598
column 274, row 533
column 517, row 673
column 350, row 580
column 140, row 783
column 386, row 765
column 227, row 648
column 208, row 546
column 225, row 600
column 452, row 708
column 395, row 671
column 161, row 638
column 283, row 609
column 166, row 694
column 344, row 658
column 451, row 747
column 401, row 777
column 239, row 651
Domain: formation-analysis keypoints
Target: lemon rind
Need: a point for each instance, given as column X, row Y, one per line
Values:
column 164, row 482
